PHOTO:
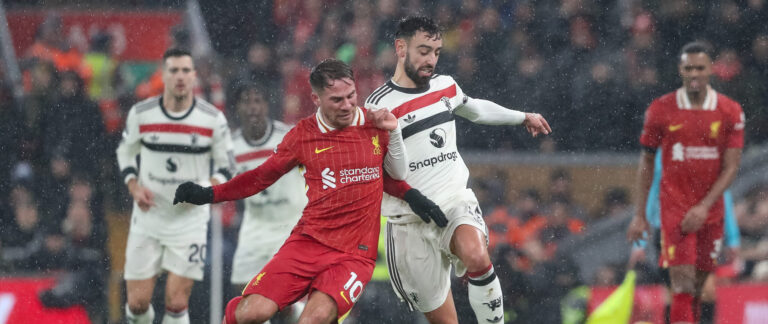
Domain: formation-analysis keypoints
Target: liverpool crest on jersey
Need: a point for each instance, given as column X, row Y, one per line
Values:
column 376, row 146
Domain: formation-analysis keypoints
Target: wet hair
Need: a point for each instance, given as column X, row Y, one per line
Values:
column 408, row 26
column 327, row 71
column 176, row 52
column 246, row 87
column 695, row 48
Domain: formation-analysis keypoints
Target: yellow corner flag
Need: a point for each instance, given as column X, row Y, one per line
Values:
column 617, row 308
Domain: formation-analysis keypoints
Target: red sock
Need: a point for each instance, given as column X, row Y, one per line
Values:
column 696, row 310
column 681, row 309
column 229, row 312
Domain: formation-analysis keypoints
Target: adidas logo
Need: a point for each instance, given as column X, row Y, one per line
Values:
column 328, row 180
column 409, row 118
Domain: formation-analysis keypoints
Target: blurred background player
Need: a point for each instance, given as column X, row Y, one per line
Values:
column 426, row 104
column 732, row 239
column 177, row 137
column 701, row 134
column 269, row 215
column 331, row 251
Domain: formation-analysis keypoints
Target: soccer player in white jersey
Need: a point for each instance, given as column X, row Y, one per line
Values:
column 271, row 214
column 426, row 105
column 176, row 136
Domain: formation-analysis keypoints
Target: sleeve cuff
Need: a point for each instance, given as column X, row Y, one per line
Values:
column 128, row 174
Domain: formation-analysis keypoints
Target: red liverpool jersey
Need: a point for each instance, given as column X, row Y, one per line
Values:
column 692, row 142
column 344, row 172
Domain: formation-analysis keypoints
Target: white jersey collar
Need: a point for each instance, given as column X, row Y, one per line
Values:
column 325, row 127
column 684, row 103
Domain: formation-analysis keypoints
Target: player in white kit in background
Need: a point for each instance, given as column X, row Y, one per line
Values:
column 177, row 136
column 426, row 105
column 270, row 215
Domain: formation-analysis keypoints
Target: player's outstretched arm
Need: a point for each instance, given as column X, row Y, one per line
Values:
column 420, row 204
column 487, row 112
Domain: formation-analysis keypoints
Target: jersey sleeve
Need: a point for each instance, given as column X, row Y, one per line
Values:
column 222, row 150
column 395, row 188
column 396, row 160
column 653, row 128
column 736, row 131
column 129, row 147
column 252, row 182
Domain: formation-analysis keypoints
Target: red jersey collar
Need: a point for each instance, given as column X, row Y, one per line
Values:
column 683, row 102
column 325, row 127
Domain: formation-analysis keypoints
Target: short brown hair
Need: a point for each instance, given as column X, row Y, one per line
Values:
column 327, row 71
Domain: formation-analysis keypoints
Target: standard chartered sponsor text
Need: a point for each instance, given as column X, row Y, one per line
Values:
column 359, row 174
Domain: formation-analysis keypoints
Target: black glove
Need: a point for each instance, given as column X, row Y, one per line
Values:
column 193, row 193
column 425, row 208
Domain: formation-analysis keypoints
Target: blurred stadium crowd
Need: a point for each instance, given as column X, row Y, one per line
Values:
column 591, row 67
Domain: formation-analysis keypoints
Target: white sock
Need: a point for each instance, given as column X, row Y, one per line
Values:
column 181, row 317
column 485, row 297
column 145, row 318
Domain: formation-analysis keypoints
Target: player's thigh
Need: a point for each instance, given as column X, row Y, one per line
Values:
column 418, row 269
column 321, row 308
column 143, row 254
column 445, row 314
column 467, row 234
column 186, row 257
column 344, row 280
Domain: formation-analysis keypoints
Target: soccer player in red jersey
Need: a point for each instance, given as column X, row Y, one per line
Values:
column 701, row 135
column 331, row 252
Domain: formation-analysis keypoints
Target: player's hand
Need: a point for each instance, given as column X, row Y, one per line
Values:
column 638, row 228
column 425, row 208
column 193, row 193
column 536, row 124
column 382, row 119
column 142, row 196
column 694, row 218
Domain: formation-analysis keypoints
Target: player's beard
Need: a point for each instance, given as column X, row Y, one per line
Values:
column 413, row 73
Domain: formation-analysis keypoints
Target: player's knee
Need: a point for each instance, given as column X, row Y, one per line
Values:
column 251, row 314
column 476, row 261
column 138, row 306
column 683, row 287
column 176, row 303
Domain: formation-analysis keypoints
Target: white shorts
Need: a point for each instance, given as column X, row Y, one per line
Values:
column 419, row 256
column 146, row 257
column 247, row 263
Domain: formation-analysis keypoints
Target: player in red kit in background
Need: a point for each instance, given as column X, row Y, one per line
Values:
column 331, row 252
column 701, row 135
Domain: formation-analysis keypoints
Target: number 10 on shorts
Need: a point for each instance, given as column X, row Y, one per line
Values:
column 354, row 287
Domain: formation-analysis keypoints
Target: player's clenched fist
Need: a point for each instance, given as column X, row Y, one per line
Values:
column 193, row 193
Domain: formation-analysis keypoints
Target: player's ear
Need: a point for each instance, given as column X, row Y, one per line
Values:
column 315, row 99
column 401, row 47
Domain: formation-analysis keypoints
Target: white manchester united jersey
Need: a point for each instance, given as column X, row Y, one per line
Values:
column 429, row 131
column 271, row 214
column 194, row 145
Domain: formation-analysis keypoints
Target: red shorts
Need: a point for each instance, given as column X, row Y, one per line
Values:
column 699, row 248
column 303, row 265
